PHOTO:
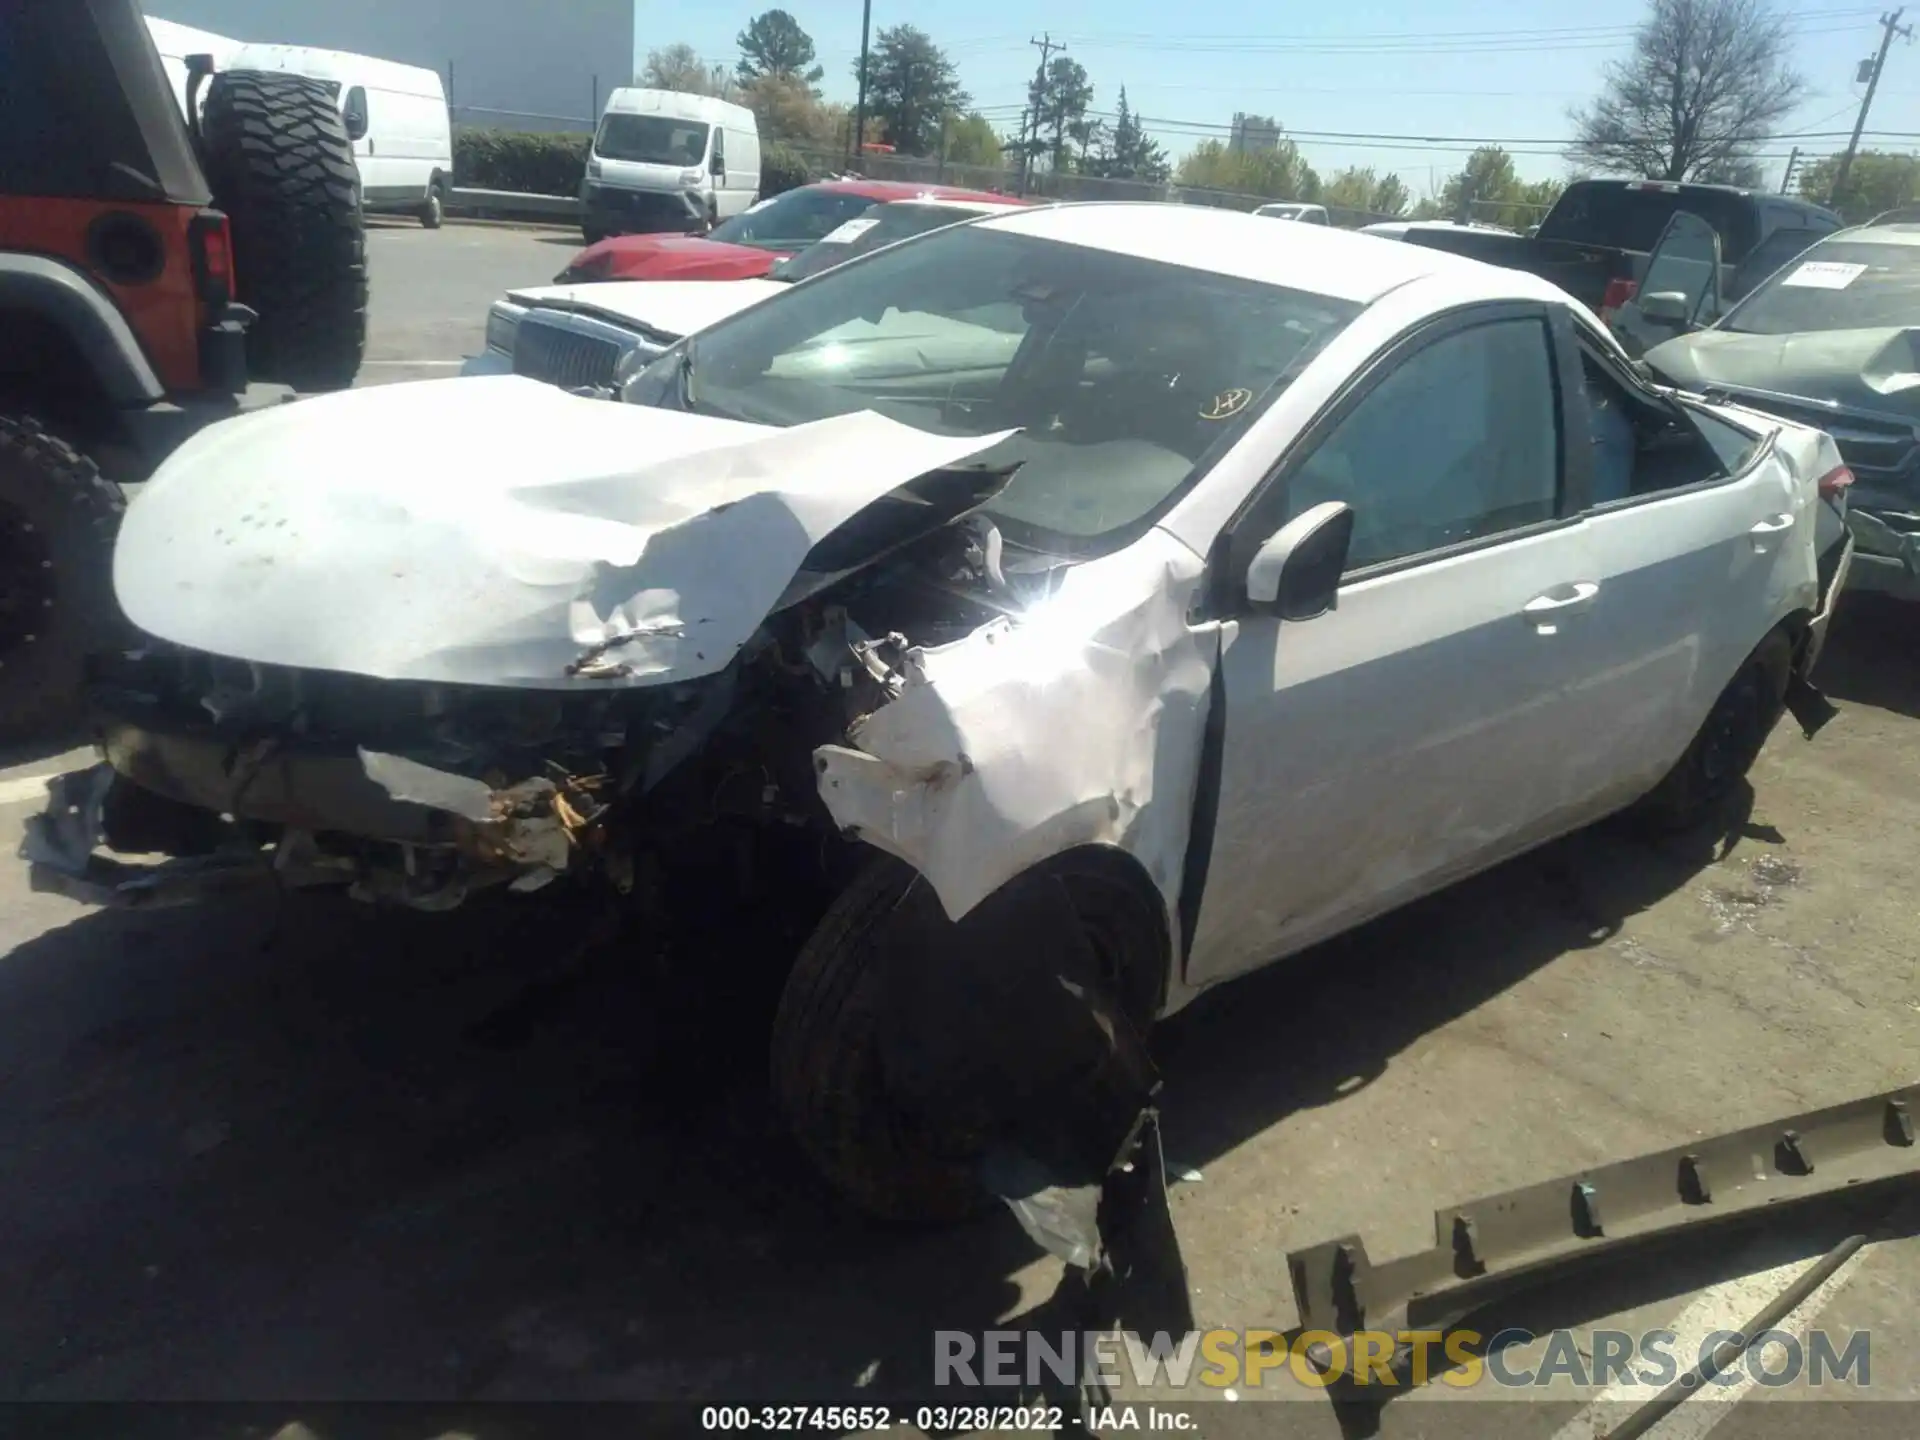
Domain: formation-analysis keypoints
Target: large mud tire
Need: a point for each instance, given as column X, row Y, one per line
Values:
column 281, row 166
column 58, row 518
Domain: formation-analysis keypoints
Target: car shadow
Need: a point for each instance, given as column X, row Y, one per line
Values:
column 1870, row 656
column 293, row 1147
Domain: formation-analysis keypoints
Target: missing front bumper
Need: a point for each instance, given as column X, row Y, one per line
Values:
column 61, row 846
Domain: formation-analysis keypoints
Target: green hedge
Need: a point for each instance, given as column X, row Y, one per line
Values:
column 530, row 164
column 526, row 164
column 782, row 168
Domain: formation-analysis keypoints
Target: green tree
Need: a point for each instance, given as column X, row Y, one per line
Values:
column 1707, row 81
column 910, row 84
column 790, row 112
column 1361, row 190
column 1126, row 151
column 679, row 67
column 971, row 141
column 1877, row 182
column 1489, row 190
column 1277, row 174
column 774, row 44
column 1059, row 99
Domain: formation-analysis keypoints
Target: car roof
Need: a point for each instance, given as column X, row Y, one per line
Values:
column 1896, row 233
column 913, row 190
column 964, row 205
column 1341, row 264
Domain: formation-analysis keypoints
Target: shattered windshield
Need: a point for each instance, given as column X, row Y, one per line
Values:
column 653, row 140
column 1126, row 377
column 1838, row 285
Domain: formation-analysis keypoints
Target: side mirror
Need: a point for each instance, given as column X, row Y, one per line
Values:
column 1296, row 574
column 1667, row 306
column 717, row 166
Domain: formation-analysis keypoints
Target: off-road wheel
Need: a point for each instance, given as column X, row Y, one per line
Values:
column 278, row 158
column 433, row 211
column 1726, row 746
column 829, row 1075
column 58, row 517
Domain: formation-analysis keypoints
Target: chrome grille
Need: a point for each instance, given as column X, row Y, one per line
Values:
column 563, row 356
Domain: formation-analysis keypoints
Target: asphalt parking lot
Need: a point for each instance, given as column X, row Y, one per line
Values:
column 293, row 1151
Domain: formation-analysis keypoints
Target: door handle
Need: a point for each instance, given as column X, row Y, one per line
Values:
column 1765, row 533
column 1545, row 612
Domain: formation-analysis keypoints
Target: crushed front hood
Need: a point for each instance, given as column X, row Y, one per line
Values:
column 666, row 307
column 1862, row 369
column 496, row 531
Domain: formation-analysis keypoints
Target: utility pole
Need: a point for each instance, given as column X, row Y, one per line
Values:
column 1891, row 26
column 860, row 104
column 1047, row 47
column 1793, row 161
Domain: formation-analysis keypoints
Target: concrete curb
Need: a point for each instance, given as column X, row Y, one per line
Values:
column 508, row 205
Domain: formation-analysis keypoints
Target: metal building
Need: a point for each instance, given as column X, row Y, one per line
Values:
column 516, row 64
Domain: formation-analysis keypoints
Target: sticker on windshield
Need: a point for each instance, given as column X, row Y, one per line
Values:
column 1824, row 275
column 848, row 233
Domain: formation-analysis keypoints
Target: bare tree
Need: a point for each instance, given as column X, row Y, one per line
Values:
column 1706, row 82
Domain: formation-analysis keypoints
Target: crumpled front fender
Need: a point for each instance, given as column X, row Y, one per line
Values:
column 1077, row 723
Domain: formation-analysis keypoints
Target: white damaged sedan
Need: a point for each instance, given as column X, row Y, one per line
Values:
column 1235, row 583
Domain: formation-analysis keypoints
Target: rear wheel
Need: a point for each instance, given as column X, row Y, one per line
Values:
column 58, row 517
column 1727, row 744
column 434, row 210
column 281, row 166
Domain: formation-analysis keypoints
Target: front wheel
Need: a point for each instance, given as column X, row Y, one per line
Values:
column 1727, row 744
column 434, row 211
column 839, row 1023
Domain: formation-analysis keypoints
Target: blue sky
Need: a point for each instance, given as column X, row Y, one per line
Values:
column 1493, row 69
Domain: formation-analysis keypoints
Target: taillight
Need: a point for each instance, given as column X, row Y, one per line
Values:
column 211, row 240
column 1619, row 292
column 1834, row 483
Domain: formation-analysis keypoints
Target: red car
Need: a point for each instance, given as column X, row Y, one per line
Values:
column 749, row 245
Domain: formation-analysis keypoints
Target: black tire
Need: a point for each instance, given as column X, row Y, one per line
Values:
column 592, row 234
column 827, row 1074
column 277, row 155
column 1727, row 744
column 58, row 519
column 434, row 211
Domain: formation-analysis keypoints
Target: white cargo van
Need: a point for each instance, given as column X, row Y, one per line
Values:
column 664, row 160
column 396, row 116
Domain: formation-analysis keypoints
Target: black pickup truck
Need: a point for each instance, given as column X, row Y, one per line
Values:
column 1595, row 243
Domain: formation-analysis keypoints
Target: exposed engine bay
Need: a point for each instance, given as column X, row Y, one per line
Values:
column 423, row 794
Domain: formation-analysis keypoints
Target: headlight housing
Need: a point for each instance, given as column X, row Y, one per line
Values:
column 503, row 325
column 593, row 167
column 692, row 177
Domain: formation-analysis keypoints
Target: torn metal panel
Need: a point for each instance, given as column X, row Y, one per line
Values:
column 1074, row 723
column 1500, row 1243
column 497, row 531
column 419, row 784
